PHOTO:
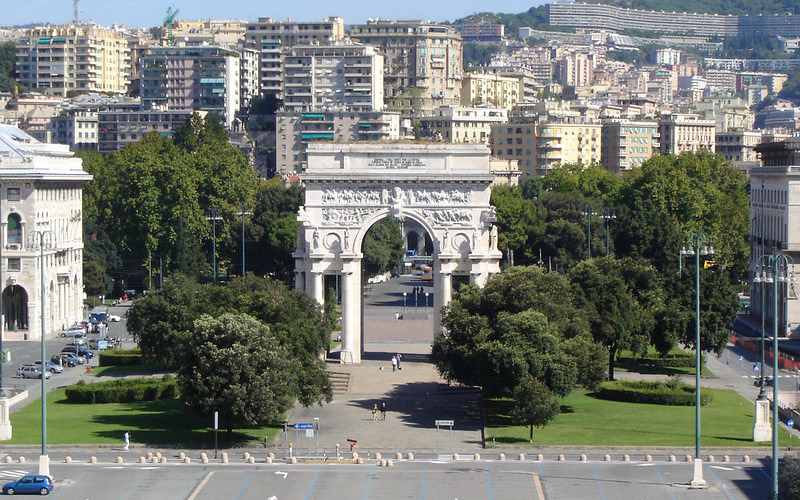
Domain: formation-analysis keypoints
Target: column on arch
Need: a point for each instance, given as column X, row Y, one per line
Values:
column 318, row 286
column 442, row 294
column 351, row 312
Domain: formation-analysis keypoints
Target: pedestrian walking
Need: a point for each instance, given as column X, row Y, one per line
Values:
column 383, row 411
column 399, row 358
column 375, row 412
column 394, row 363
column 397, row 316
column 127, row 438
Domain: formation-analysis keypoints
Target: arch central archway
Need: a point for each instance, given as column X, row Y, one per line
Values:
column 443, row 189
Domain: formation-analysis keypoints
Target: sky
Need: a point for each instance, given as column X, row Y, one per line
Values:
column 151, row 12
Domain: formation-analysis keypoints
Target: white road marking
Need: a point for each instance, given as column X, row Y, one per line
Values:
column 284, row 473
column 720, row 467
column 200, row 486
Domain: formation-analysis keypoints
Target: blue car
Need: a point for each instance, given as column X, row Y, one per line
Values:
column 32, row 483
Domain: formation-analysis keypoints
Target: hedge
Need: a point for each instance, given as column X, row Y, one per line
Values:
column 121, row 357
column 670, row 360
column 123, row 391
column 658, row 393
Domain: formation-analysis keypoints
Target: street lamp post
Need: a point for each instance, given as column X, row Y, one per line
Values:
column 243, row 212
column 763, row 276
column 589, row 212
column 427, row 302
column 43, row 238
column 405, row 294
column 213, row 216
column 608, row 213
column 697, row 244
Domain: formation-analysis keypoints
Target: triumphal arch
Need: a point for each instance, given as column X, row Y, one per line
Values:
column 442, row 188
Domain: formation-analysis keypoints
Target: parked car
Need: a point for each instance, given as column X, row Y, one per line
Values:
column 30, row 483
column 31, row 371
column 79, row 351
column 79, row 339
column 72, row 331
column 71, row 350
column 51, row 367
column 113, row 318
column 69, row 362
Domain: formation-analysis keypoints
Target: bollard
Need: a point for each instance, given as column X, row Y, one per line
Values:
column 8, row 459
column 583, row 458
column 477, row 456
column 68, row 459
column 154, row 460
column 149, row 455
column 355, row 455
column 648, row 458
column 521, row 456
column 561, row 458
column 672, row 458
column 746, row 458
column 271, row 455
column 398, row 456
column 251, row 460
column 688, row 458
column 141, row 460
column 203, row 460
column 92, row 460
column 269, row 460
column 293, row 460
column 711, row 458
column 540, row 457
column 119, row 460
column 626, row 458
column 411, row 456
column 163, row 460
column 187, row 460
column 203, row 455
column 377, row 455
column 224, row 457
column 22, row 460
column 502, row 456
column 382, row 463
column 607, row 458
column 359, row 460
column 726, row 459
column 455, row 456
column 181, row 455
column 246, row 455
column 389, row 463
column 158, row 455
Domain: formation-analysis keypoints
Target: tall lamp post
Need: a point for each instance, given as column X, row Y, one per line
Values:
column 213, row 216
column 589, row 212
column 43, row 239
column 763, row 276
column 607, row 214
column 243, row 212
column 697, row 244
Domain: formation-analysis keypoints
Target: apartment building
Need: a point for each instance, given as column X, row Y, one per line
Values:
column 738, row 147
column 423, row 61
column 192, row 79
column 494, row 90
column 482, row 32
column 626, row 144
column 72, row 59
column 295, row 130
column 77, row 129
column 118, row 128
column 341, row 75
column 686, row 132
column 539, row 145
column 271, row 37
column 248, row 76
column 775, row 223
column 462, row 125
column 668, row 56
column 576, row 69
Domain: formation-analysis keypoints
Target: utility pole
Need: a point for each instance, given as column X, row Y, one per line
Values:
column 243, row 212
column 213, row 216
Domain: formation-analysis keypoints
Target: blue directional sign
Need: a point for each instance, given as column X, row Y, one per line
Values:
column 790, row 423
column 302, row 427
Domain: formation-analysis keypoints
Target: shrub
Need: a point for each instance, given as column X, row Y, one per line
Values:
column 659, row 393
column 789, row 479
column 122, row 391
column 120, row 357
column 684, row 360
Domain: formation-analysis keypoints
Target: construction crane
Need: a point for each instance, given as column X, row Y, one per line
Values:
column 169, row 24
column 76, row 13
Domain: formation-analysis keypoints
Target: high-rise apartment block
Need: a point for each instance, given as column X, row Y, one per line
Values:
column 424, row 62
column 627, row 144
column 686, row 132
column 668, row 56
column 192, row 79
column 343, row 75
column 75, row 58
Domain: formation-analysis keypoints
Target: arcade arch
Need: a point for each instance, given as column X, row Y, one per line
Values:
column 15, row 308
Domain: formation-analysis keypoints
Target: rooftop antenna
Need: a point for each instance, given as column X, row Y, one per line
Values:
column 76, row 13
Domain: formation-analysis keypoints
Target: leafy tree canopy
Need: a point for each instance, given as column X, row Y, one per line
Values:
column 383, row 248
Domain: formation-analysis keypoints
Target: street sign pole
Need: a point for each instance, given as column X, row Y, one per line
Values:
column 216, row 430
column 790, row 423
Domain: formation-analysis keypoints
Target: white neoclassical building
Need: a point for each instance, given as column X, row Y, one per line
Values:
column 438, row 191
column 40, row 199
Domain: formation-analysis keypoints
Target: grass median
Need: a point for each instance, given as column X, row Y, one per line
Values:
column 588, row 421
column 152, row 422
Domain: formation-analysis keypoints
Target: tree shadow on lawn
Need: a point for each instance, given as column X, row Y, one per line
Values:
column 498, row 412
column 165, row 422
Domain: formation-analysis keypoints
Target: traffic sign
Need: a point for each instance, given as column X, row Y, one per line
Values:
column 790, row 423
column 445, row 423
column 303, row 427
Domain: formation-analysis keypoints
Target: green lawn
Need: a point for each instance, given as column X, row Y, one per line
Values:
column 122, row 371
column 666, row 370
column 588, row 421
column 152, row 422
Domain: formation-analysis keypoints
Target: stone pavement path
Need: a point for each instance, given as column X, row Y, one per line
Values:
column 415, row 397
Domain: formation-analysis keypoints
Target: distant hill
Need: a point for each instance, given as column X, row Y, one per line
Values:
column 537, row 17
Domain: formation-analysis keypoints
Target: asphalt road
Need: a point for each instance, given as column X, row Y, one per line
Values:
column 419, row 479
column 383, row 300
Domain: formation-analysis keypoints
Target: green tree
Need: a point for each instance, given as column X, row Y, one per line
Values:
column 789, row 479
column 232, row 364
column 515, row 218
column 8, row 57
column 382, row 248
column 534, row 404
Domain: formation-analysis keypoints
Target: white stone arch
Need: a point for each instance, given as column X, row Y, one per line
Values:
column 445, row 189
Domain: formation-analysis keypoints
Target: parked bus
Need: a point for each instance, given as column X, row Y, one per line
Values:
column 427, row 273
